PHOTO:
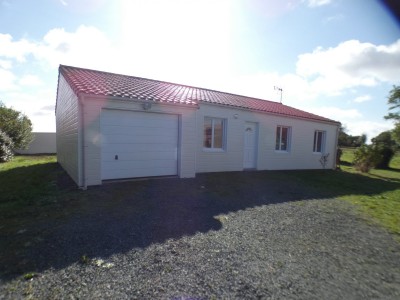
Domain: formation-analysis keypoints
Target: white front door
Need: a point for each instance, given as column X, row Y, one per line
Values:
column 250, row 145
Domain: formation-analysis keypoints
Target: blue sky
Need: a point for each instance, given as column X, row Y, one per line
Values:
column 335, row 58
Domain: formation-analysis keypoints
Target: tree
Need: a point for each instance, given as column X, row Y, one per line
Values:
column 394, row 102
column 343, row 137
column 346, row 140
column 17, row 126
column 396, row 133
column 362, row 139
column 386, row 147
column 6, row 145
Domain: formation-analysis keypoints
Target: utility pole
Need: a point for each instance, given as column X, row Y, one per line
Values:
column 279, row 90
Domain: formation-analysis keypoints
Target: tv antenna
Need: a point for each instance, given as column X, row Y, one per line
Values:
column 279, row 90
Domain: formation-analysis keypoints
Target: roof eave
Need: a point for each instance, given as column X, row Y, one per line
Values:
column 275, row 114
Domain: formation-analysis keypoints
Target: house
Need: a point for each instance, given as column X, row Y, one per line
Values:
column 112, row 126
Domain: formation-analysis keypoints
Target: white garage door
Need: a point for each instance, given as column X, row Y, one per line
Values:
column 138, row 144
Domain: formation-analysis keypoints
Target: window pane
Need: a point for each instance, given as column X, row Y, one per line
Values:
column 218, row 133
column 315, row 142
column 318, row 139
column 284, row 139
column 207, row 132
column 319, row 143
column 278, row 138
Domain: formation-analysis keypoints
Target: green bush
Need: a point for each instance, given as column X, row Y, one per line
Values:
column 366, row 158
column 386, row 146
column 6, row 146
column 387, row 154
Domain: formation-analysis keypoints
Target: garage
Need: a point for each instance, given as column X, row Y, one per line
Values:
column 138, row 144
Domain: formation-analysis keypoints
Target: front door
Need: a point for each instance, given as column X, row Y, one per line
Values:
column 250, row 145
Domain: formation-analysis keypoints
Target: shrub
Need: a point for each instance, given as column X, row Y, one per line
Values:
column 6, row 146
column 386, row 146
column 366, row 158
column 387, row 154
column 17, row 126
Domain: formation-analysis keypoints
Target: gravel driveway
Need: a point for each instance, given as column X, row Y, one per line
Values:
column 234, row 236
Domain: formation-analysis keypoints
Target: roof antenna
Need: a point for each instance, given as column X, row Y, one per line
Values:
column 280, row 90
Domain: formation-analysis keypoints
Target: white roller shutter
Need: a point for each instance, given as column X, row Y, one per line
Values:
column 138, row 144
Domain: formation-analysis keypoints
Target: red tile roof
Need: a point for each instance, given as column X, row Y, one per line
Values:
column 91, row 82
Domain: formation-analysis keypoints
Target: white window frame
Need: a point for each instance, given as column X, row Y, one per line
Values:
column 289, row 138
column 317, row 141
column 223, row 142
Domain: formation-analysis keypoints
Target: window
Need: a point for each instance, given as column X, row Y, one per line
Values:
column 319, row 141
column 282, row 138
column 214, row 133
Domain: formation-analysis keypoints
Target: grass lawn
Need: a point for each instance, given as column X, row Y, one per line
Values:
column 27, row 180
column 383, row 207
column 30, row 189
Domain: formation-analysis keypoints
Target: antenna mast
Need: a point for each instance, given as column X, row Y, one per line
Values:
column 280, row 90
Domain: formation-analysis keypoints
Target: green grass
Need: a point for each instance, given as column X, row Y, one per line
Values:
column 29, row 190
column 383, row 206
column 27, row 180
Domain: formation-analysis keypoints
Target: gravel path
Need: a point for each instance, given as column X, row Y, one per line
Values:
column 193, row 239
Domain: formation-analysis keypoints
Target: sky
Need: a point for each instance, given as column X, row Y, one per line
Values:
column 335, row 58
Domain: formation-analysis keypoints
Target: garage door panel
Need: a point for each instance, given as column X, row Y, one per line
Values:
column 138, row 129
column 139, row 156
column 125, row 118
column 139, row 139
column 137, row 147
column 146, row 144
column 113, row 174
column 139, row 164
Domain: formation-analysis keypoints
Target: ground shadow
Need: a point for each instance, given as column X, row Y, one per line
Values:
column 118, row 217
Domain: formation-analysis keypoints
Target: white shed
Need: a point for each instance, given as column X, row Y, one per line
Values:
column 112, row 126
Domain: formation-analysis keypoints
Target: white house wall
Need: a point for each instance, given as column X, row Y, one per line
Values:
column 43, row 143
column 300, row 155
column 93, row 107
column 67, row 127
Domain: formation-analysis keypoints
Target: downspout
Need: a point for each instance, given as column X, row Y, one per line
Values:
column 196, row 138
column 83, row 185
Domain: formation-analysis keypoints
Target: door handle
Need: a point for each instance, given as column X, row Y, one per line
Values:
column 116, row 157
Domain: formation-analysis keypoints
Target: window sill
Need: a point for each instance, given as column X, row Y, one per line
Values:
column 282, row 151
column 213, row 150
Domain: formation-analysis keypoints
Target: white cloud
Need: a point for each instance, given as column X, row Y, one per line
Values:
column 324, row 73
column 15, row 49
column 364, row 98
column 87, row 47
column 336, row 113
column 350, row 64
column 7, row 80
column 5, row 64
column 30, row 80
column 316, row 3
